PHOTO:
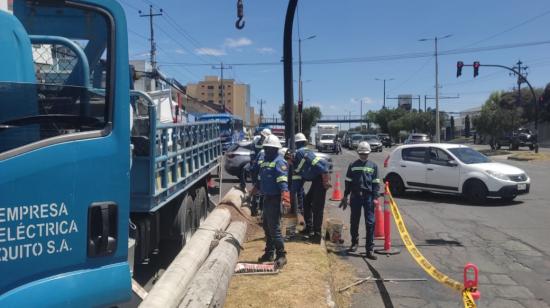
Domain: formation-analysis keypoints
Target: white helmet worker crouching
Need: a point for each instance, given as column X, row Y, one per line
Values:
column 272, row 141
column 363, row 148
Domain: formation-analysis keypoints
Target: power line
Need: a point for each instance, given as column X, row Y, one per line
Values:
column 510, row 29
column 381, row 58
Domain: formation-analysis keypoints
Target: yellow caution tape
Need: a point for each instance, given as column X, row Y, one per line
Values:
column 423, row 262
column 468, row 300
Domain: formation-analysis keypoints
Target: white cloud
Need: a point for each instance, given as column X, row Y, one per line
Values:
column 210, row 51
column 180, row 51
column 366, row 100
column 265, row 50
column 235, row 43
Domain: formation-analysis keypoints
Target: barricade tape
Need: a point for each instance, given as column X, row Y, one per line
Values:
column 423, row 262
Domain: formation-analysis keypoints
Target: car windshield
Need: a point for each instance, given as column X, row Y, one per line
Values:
column 328, row 137
column 356, row 137
column 469, row 156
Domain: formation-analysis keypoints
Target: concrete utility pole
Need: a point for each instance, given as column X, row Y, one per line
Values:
column 519, row 68
column 152, row 38
column 222, row 68
column 390, row 79
column 437, row 128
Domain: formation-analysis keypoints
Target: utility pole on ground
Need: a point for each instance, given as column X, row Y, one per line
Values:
column 152, row 37
column 384, row 79
column 222, row 67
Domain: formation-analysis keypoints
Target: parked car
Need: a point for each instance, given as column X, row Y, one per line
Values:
column 522, row 137
column 355, row 139
column 385, row 139
column 237, row 157
column 453, row 168
column 417, row 138
column 374, row 142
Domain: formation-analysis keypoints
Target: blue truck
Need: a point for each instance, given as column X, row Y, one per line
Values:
column 90, row 181
column 231, row 127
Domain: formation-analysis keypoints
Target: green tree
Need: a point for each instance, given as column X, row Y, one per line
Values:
column 310, row 116
column 494, row 121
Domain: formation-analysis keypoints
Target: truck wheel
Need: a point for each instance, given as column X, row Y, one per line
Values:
column 182, row 223
column 201, row 204
column 531, row 147
column 190, row 216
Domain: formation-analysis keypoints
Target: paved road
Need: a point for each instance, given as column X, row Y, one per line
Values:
column 508, row 242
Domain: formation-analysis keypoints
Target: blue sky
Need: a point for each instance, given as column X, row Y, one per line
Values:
column 202, row 32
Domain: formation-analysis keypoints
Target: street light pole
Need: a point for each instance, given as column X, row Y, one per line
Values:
column 384, row 80
column 437, row 125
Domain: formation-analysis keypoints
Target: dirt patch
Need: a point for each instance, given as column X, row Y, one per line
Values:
column 342, row 275
column 303, row 282
column 529, row 156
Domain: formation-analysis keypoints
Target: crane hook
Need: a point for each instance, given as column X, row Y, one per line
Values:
column 239, row 24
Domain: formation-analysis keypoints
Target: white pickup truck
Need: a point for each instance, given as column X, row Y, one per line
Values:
column 326, row 138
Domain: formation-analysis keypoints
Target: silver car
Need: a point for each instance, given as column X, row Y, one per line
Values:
column 374, row 142
column 237, row 157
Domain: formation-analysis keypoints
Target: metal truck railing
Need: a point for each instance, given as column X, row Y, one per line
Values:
column 168, row 157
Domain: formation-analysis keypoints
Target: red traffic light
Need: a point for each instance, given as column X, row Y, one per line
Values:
column 476, row 68
column 459, row 66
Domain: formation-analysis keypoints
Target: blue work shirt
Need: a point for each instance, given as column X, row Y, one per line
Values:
column 274, row 176
column 307, row 165
column 255, row 167
column 362, row 177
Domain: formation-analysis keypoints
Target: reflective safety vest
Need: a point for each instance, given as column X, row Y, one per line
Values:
column 362, row 176
column 308, row 165
column 274, row 176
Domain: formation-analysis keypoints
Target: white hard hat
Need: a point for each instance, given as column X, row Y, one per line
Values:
column 265, row 132
column 272, row 141
column 282, row 151
column 256, row 139
column 363, row 148
column 300, row 137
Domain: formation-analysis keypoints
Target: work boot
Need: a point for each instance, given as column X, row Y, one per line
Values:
column 266, row 257
column 280, row 261
column 316, row 238
column 306, row 232
column 353, row 247
column 371, row 255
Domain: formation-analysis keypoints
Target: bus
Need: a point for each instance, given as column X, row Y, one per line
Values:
column 231, row 127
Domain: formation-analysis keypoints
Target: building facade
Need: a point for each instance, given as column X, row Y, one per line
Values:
column 235, row 97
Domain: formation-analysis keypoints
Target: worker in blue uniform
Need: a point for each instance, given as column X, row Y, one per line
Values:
column 256, row 159
column 363, row 184
column 274, row 187
column 257, row 147
column 309, row 167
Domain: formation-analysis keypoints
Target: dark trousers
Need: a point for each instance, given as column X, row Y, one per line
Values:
column 358, row 202
column 242, row 176
column 314, row 205
column 271, row 216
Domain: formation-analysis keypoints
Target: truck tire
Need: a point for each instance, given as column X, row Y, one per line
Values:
column 191, row 219
column 201, row 204
column 181, row 226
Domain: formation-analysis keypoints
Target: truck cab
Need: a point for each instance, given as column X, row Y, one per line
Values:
column 64, row 154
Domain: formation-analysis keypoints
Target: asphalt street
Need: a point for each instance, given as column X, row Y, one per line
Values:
column 508, row 242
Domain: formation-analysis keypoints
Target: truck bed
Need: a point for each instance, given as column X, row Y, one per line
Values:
column 168, row 158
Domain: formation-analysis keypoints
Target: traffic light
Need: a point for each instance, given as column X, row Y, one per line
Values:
column 476, row 68
column 459, row 66
column 300, row 106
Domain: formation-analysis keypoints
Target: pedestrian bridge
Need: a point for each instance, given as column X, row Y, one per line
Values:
column 324, row 119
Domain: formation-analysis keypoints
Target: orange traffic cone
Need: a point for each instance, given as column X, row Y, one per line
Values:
column 378, row 220
column 336, row 192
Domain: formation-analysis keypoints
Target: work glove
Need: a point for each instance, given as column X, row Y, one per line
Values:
column 285, row 201
column 326, row 180
column 344, row 203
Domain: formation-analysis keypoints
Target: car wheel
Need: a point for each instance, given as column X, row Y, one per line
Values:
column 531, row 147
column 497, row 146
column 245, row 171
column 476, row 191
column 397, row 188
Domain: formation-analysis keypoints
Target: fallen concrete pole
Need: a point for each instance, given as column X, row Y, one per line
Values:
column 209, row 287
column 170, row 288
